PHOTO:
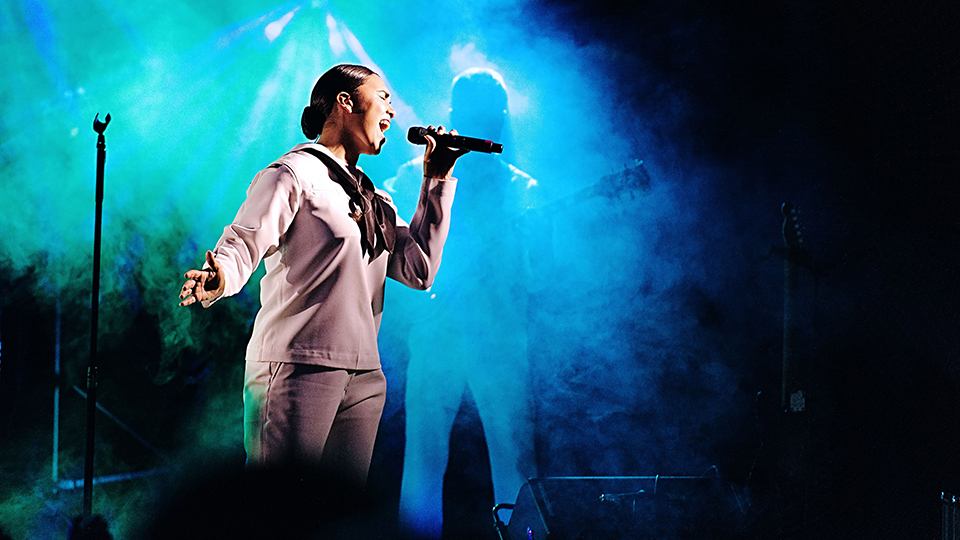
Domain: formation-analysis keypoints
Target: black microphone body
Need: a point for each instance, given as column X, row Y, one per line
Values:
column 416, row 136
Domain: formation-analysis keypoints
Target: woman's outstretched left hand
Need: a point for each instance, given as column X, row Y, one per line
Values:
column 204, row 285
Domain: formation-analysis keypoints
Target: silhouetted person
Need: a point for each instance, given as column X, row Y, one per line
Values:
column 468, row 331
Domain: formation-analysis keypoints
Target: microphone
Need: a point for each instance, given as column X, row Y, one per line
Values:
column 416, row 136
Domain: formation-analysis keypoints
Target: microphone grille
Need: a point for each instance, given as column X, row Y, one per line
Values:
column 415, row 135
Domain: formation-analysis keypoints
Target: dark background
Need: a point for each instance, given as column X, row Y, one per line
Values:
column 874, row 86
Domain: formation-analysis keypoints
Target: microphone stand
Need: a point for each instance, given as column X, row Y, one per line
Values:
column 99, row 127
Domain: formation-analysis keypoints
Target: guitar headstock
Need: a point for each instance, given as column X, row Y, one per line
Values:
column 633, row 177
column 793, row 237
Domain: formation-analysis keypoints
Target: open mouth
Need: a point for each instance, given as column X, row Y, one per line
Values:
column 384, row 125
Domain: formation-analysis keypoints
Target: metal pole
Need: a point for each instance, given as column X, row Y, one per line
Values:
column 56, row 398
column 99, row 127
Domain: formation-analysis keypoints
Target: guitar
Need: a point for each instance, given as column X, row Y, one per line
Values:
column 794, row 448
column 795, row 256
column 630, row 179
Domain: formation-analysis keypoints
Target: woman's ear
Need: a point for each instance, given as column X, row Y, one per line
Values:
column 346, row 101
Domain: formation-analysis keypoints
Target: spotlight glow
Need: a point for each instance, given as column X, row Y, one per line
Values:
column 273, row 30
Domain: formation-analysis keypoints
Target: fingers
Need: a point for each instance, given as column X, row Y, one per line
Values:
column 431, row 142
column 195, row 286
column 438, row 160
column 188, row 291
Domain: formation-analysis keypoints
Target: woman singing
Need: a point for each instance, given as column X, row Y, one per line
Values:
column 313, row 389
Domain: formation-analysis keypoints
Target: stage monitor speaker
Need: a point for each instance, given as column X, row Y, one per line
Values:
column 625, row 507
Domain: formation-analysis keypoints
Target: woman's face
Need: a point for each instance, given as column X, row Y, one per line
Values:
column 370, row 116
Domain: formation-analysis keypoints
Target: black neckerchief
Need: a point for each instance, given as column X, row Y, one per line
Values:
column 377, row 219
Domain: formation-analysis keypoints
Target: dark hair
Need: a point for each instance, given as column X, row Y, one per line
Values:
column 479, row 89
column 340, row 78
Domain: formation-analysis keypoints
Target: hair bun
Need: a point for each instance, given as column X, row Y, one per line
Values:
column 311, row 122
